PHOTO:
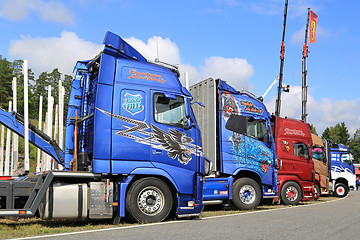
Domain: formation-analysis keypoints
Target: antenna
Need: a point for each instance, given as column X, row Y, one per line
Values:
column 157, row 50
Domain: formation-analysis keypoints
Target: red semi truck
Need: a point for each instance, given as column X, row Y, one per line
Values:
column 293, row 146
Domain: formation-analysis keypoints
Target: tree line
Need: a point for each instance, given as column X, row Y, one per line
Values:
column 37, row 86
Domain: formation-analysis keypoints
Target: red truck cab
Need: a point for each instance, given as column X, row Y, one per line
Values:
column 293, row 146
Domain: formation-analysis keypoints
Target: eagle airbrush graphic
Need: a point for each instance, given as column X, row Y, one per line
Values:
column 175, row 142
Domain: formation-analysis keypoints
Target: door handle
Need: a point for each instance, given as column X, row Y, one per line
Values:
column 157, row 152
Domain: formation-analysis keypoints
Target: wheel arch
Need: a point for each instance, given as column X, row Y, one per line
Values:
column 342, row 180
column 249, row 174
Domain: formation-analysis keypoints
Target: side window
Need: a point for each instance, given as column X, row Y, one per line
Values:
column 255, row 128
column 170, row 111
column 300, row 150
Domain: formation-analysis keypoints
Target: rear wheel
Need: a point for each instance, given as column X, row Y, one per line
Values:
column 149, row 200
column 246, row 194
column 340, row 190
column 291, row 193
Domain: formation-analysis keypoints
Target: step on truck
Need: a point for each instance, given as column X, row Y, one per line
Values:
column 236, row 132
column 342, row 170
column 321, row 164
column 132, row 146
column 293, row 143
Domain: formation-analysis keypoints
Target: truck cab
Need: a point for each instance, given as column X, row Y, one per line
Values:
column 293, row 146
column 343, row 178
column 236, row 131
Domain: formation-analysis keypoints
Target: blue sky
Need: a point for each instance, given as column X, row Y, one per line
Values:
column 236, row 40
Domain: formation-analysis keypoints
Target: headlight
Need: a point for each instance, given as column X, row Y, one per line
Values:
column 208, row 166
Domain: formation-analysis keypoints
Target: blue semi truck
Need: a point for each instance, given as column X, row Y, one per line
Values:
column 132, row 146
column 342, row 170
column 238, row 140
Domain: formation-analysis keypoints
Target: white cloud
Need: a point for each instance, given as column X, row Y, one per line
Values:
column 54, row 11
column 168, row 51
column 322, row 113
column 45, row 54
column 235, row 71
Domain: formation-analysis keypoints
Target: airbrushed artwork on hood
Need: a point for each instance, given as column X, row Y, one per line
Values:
column 175, row 142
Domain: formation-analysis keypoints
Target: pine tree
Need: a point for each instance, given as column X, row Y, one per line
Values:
column 6, row 77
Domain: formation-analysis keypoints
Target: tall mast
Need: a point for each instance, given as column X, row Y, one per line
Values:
column 304, row 71
column 278, row 100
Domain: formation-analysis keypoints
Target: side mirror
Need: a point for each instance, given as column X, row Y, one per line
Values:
column 279, row 164
column 208, row 166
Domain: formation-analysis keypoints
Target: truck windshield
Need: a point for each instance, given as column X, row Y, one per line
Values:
column 318, row 154
column 170, row 111
column 257, row 129
column 346, row 158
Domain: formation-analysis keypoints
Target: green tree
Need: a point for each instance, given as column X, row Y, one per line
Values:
column 326, row 133
column 54, row 78
column 337, row 134
column 6, row 76
column 313, row 129
column 354, row 146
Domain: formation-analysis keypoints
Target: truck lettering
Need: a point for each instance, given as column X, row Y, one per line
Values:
column 250, row 107
column 146, row 76
column 297, row 132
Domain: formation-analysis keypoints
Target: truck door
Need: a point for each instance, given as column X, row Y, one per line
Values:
column 130, row 128
column 259, row 155
column 173, row 141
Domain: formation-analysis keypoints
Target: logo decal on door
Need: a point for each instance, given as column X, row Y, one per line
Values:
column 132, row 103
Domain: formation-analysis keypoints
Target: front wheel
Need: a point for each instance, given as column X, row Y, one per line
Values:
column 340, row 190
column 291, row 193
column 149, row 200
column 246, row 194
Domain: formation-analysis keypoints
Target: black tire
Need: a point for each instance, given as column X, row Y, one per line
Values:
column 246, row 194
column 340, row 190
column 149, row 200
column 318, row 192
column 291, row 193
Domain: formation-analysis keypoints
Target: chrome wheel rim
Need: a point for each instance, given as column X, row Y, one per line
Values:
column 151, row 200
column 291, row 193
column 247, row 194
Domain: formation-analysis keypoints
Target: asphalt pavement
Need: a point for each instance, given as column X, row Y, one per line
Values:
column 338, row 219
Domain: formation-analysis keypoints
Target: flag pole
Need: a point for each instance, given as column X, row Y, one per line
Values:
column 278, row 100
column 304, row 71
